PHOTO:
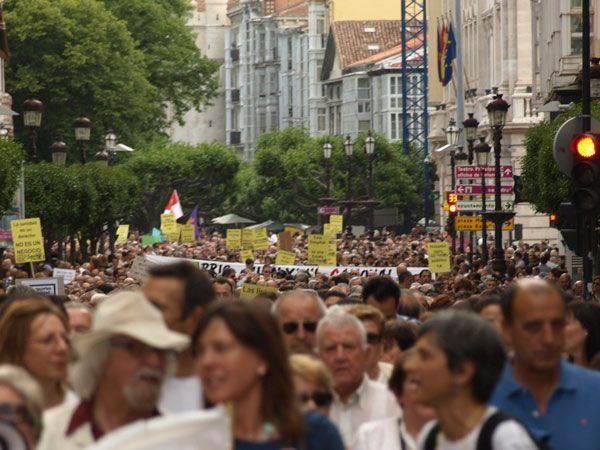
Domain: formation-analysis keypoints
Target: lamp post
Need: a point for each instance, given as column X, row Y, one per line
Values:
column 32, row 118
column 482, row 151
column 497, row 111
column 426, row 168
column 349, row 148
column 59, row 152
column 460, row 159
column 83, row 127
column 470, row 126
column 104, row 157
column 371, row 202
column 452, row 136
column 327, row 200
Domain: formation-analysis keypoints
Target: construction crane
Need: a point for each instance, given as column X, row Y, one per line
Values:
column 414, row 75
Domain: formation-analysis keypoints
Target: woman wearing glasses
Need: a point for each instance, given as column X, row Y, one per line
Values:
column 313, row 383
column 242, row 361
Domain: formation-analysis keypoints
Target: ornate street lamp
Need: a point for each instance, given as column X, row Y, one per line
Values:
column 32, row 119
column 59, row 152
column 327, row 200
column 452, row 133
column 83, row 127
column 349, row 149
column 371, row 202
column 497, row 112
column 482, row 152
column 102, row 157
column 470, row 126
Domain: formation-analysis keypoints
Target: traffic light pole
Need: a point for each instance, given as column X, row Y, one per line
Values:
column 586, row 125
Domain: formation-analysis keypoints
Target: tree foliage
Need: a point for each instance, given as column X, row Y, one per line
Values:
column 182, row 76
column 287, row 179
column 11, row 158
column 544, row 186
column 201, row 174
column 78, row 59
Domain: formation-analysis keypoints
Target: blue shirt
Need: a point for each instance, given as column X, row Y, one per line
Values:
column 572, row 418
column 319, row 434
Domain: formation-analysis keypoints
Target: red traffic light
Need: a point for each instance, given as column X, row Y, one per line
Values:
column 552, row 217
column 452, row 209
column 585, row 146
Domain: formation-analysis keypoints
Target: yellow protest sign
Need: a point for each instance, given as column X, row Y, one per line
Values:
column 122, row 234
column 439, row 257
column 475, row 223
column 293, row 230
column 337, row 223
column 285, row 258
column 188, row 234
column 168, row 224
column 247, row 238
column 249, row 291
column 260, row 241
column 328, row 232
column 28, row 241
column 234, row 239
column 246, row 254
column 321, row 251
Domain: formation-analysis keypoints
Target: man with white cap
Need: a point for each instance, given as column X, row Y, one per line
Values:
column 124, row 360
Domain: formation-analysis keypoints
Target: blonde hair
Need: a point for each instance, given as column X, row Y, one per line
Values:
column 312, row 370
column 367, row 312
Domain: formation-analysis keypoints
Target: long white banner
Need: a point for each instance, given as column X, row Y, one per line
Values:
column 218, row 267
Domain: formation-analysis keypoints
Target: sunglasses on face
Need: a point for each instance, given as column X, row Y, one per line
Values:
column 15, row 413
column 309, row 326
column 321, row 398
column 373, row 338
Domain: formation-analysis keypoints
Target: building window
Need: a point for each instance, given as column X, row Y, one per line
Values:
column 364, row 125
column 321, row 119
column 395, row 92
column 395, row 126
column 262, row 122
column 364, row 107
column 575, row 26
column 274, row 122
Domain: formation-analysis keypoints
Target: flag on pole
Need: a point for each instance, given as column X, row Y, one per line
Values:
column 440, row 50
column 450, row 50
column 174, row 206
column 4, row 52
column 193, row 220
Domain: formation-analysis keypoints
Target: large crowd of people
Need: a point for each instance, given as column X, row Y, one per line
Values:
column 466, row 359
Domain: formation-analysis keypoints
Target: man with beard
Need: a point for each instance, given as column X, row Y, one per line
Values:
column 124, row 361
column 298, row 313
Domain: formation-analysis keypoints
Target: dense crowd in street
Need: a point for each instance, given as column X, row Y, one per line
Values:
column 460, row 360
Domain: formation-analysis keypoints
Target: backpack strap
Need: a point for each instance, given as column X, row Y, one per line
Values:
column 431, row 439
column 484, row 440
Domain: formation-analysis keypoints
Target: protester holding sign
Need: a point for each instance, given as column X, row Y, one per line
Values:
column 242, row 360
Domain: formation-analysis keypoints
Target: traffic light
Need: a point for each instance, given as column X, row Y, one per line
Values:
column 585, row 173
column 452, row 200
column 553, row 220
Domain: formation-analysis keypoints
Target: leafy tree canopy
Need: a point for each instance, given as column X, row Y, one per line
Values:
column 11, row 158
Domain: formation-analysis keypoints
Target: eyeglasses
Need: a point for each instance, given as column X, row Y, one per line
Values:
column 310, row 326
column 373, row 338
column 321, row 398
column 141, row 351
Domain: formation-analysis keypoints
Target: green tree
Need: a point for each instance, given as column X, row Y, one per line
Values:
column 11, row 158
column 544, row 185
column 183, row 77
column 201, row 174
column 78, row 59
column 287, row 177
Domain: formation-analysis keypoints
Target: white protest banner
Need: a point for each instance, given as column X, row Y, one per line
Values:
column 219, row 266
column 45, row 286
column 67, row 274
column 195, row 430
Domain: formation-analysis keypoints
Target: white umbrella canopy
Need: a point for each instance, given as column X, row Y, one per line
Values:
column 230, row 219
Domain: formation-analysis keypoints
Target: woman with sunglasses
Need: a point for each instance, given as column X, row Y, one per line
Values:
column 313, row 383
column 242, row 361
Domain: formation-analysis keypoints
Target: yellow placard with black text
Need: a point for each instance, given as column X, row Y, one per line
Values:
column 285, row 258
column 234, row 239
column 439, row 257
column 28, row 241
column 122, row 234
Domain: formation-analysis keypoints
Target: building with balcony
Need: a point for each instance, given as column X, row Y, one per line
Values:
column 497, row 42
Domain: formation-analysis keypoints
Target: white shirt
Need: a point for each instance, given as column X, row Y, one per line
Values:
column 385, row 372
column 181, row 395
column 384, row 435
column 508, row 435
column 371, row 401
